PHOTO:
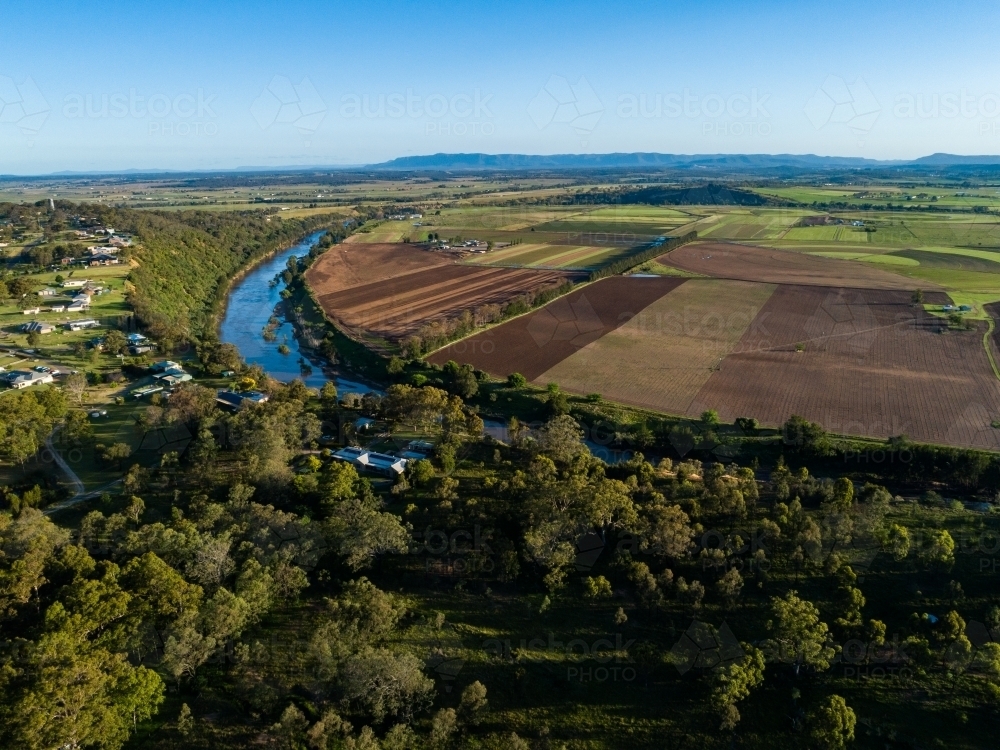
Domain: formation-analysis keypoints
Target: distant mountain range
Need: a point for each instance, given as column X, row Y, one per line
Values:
column 641, row 160
column 708, row 163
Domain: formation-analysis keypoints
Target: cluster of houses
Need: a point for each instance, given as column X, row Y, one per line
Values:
column 82, row 290
column 38, row 326
column 404, row 217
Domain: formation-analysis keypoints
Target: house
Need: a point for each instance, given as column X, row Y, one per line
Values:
column 135, row 338
column 235, row 400
column 78, row 306
column 81, row 325
column 66, row 261
column 102, row 250
column 141, row 349
column 47, row 292
column 379, row 463
column 74, row 283
column 146, row 391
column 163, row 365
column 174, row 378
column 37, row 327
column 57, row 308
column 32, row 310
column 23, row 379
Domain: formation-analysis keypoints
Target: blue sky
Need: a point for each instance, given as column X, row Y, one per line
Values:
column 114, row 85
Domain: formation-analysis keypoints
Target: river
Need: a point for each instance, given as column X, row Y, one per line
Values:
column 250, row 306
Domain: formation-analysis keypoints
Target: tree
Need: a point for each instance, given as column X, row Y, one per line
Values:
column 597, row 588
column 421, row 471
column 461, row 379
column 516, row 380
column 339, row 481
column 669, row 532
column 71, row 692
column 77, row 427
column 117, row 453
column 185, row 721
column 940, row 549
column 710, row 417
column 75, row 386
column 443, row 726
column 473, row 703
column 799, row 636
column 328, row 397
column 383, row 683
column 395, row 366
column 808, row 437
column 115, row 342
column 896, row 541
column 730, row 585
column 290, row 730
column 733, row 683
column 135, row 509
column 360, row 532
column 831, row 725
column 562, row 439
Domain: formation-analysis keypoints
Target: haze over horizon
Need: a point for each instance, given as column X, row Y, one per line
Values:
column 231, row 85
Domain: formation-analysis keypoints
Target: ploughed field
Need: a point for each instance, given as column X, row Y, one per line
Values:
column 392, row 290
column 834, row 341
column 726, row 260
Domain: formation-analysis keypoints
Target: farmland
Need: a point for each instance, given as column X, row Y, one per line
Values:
column 393, row 291
column 733, row 261
column 860, row 362
column 533, row 343
column 662, row 357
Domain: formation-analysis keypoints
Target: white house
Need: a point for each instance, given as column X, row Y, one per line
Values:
column 22, row 379
column 74, row 283
column 80, row 325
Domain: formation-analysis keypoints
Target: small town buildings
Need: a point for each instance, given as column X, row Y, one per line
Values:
column 74, row 283
column 32, row 310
